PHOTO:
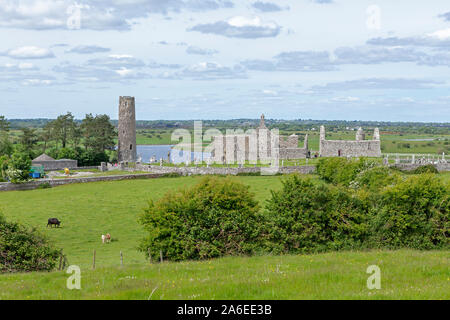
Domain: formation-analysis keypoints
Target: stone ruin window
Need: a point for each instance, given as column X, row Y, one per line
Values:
column 131, row 147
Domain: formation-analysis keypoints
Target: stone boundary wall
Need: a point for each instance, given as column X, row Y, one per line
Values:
column 293, row 153
column 154, row 172
column 186, row 171
column 441, row 167
column 76, row 168
column 57, row 164
column 6, row 186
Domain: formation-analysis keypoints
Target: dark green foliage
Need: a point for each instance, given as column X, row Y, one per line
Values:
column 98, row 132
column 413, row 213
column 214, row 218
column 24, row 250
column 4, row 160
column 375, row 178
column 429, row 168
column 84, row 157
column 250, row 174
column 171, row 175
column 342, row 170
column 309, row 217
column 44, row 185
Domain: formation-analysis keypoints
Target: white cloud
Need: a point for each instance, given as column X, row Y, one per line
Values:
column 441, row 34
column 240, row 27
column 123, row 72
column 36, row 82
column 345, row 99
column 120, row 56
column 29, row 52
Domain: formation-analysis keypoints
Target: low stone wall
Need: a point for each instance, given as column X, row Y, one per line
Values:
column 6, row 186
column 57, row 164
column 187, row 171
column 156, row 172
column 441, row 167
column 75, row 168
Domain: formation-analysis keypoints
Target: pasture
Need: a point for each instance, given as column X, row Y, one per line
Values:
column 405, row 274
column 89, row 210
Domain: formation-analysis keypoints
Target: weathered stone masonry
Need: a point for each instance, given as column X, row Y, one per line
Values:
column 345, row 148
column 262, row 144
column 127, row 130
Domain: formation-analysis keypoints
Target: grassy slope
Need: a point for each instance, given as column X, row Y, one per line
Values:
column 405, row 274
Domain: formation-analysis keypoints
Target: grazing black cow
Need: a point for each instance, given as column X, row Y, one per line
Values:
column 53, row 221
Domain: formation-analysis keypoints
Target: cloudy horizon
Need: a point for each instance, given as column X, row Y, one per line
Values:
column 227, row 59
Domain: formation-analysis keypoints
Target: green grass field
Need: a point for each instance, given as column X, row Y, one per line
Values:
column 89, row 210
column 404, row 275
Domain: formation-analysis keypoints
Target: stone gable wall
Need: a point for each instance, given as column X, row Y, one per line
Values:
column 366, row 148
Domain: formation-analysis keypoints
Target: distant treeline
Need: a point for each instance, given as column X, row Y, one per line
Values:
column 286, row 125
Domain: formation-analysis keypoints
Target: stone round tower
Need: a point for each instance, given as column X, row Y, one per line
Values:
column 127, row 130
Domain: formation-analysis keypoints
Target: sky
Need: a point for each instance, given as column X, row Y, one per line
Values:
column 379, row 60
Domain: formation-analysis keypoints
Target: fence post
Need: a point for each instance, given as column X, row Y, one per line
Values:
column 149, row 255
column 161, row 255
column 121, row 258
column 93, row 263
column 60, row 260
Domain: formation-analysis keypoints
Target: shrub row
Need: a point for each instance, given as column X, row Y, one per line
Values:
column 378, row 209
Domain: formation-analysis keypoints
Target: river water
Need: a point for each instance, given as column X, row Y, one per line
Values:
column 146, row 152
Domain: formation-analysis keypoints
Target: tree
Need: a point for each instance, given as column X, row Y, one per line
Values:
column 46, row 136
column 28, row 139
column 4, row 124
column 98, row 132
column 19, row 168
column 6, row 147
column 63, row 128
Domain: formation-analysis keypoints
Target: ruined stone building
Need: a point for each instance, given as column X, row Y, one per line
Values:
column 351, row 148
column 257, row 144
column 127, row 130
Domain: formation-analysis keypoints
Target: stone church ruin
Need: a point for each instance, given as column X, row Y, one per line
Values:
column 350, row 148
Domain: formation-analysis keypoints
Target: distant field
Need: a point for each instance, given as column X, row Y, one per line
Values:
column 405, row 274
column 392, row 143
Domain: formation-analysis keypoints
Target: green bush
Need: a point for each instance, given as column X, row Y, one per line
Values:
column 413, row 213
column 3, row 168
column 45, row 185
column 342, row 170
column 24, row 250
column 309, row 217
column 375, row 178
column 429, row 168
column 19, row 168
column 216, row 217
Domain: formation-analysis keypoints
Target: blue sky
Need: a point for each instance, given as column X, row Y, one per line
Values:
column 225, row 59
